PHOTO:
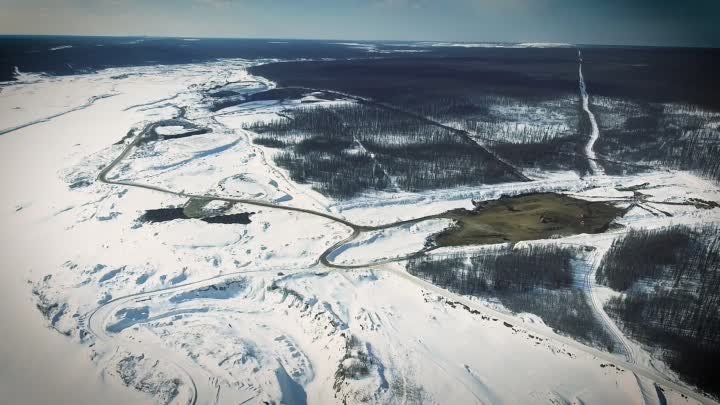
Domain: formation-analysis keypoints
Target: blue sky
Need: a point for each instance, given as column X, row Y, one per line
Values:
column 642, row 22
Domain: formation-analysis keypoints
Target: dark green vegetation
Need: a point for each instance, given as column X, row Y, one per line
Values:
column 34, row 53
column 524, row 106
column 676, row 135
column 671, row 281
column 171, row 214
column 344, row 151
column 655, row 254
column 536, row 279
column 526, row 217
column 503, row 269
column 658, row 107
column 220, row 99
column 546, row 135
column 413, row 81
column 654, row 75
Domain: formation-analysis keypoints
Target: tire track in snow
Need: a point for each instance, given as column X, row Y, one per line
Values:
column 87, row 104
column 202, row 390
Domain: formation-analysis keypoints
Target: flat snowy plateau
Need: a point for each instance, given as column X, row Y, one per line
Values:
column 99, row 305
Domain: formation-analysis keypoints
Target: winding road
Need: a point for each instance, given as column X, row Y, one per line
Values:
column 206, row 392
column 610, row 326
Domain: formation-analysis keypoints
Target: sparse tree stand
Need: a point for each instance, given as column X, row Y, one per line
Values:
column 671, row 281
column 346, row 150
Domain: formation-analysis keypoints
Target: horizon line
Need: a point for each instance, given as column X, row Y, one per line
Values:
column 577, row 45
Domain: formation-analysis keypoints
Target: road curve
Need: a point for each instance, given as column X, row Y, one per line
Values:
column 96, row 317
column 202, row 390
column 103, row 177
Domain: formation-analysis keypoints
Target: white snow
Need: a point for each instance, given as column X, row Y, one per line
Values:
column 364, row 46
column 171, row 130
column 496, row 44
column 595, row 131
column 545, row 45
column 231, row 312
column 373, row 48
column 388, row 243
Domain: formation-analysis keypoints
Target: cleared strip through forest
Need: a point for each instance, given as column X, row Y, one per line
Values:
column 595, row 130
column 426, row 120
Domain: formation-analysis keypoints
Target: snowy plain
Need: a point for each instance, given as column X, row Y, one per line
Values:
column 186, row 311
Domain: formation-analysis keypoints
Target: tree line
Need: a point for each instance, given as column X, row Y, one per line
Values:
column 537, row 279
column 671, row 281
column 679, row 136
column 502, row 269
column 347, row 150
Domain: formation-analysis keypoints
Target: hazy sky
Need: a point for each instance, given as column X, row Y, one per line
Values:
column 644, row 22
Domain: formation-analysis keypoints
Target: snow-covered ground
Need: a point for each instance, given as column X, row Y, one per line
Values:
column 187, row 311
column 594, row 130
column 391, row 243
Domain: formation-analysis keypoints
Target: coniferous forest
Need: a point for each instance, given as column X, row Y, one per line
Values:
column 671, row 283
column 346, row 150
column 535, row 279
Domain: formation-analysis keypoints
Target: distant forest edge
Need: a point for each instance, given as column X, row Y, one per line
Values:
column 524, row 106
column 642, row 73
column 663, row 75
column 68, row 55
column 655, row 106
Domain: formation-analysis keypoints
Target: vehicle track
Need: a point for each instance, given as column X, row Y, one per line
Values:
column 96, row 329
column 202, row 392
column 87, row 104
column 610, row 326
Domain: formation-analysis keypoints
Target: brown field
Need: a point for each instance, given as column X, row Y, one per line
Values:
column 526, row 217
